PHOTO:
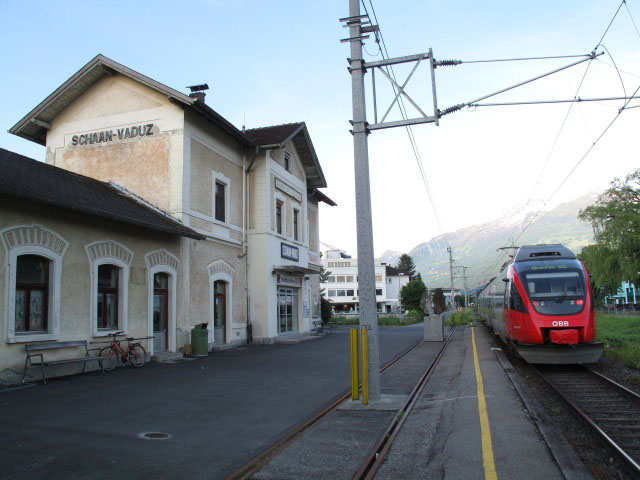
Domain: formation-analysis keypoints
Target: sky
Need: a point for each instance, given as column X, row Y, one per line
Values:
column 281, row 61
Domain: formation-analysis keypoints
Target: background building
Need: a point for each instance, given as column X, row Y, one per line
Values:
column 341, row 287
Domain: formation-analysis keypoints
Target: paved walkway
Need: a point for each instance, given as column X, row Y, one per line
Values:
column 220, row 411
column 443, row 438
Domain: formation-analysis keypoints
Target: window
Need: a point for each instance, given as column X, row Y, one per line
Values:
column 287, row 161
column 279, row 217
column 341, row 293
column 349, row 278
column 332, row 293
column 379, row 278
column 378, row 291
column 340, row 279
column 295, row 223
column 220, row 201
column 32, row 270
column 331, row 279
column 349, row 293
column 388, row 279
column 110, row 267
column 32, row 294
column 108, row 292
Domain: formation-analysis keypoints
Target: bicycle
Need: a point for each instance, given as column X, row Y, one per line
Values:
column 135, row 354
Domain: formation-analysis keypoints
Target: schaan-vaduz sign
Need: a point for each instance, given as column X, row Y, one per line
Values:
column 111, row 135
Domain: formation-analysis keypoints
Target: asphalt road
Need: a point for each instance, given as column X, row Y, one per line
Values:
column 219, row 411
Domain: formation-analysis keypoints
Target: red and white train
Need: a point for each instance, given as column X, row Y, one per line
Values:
column 541, row 306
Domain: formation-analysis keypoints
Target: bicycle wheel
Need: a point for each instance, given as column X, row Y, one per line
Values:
column 110, row 359
column 137, row 356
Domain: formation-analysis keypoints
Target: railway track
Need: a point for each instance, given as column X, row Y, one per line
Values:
column 378, row 453
column 247, row 470
column 611, row 409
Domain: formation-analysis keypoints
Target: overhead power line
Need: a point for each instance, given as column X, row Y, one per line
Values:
column 577, row 164
column 414, row 146
column 543, row 102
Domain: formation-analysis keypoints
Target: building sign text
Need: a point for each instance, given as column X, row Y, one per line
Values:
column 289, row 281
column 289, row 252
column 111, row 135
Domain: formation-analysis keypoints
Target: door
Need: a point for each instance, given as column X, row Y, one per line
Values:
column 287, row 310
column 219, row 312
column 160, row 311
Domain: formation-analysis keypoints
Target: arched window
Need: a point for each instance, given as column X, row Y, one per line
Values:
column 110, row 266
column 33, row 272
column 108, row 296
column 32, row 294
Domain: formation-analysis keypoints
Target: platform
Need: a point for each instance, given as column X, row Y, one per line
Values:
column 443, row 437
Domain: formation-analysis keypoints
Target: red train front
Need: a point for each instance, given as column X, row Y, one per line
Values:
column 544, row 307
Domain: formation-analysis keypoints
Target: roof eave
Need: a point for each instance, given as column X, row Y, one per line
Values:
column 99, row 61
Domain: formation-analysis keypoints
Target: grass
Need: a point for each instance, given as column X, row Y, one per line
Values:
column 621, row 337
column 382, row 321
column 464, row 317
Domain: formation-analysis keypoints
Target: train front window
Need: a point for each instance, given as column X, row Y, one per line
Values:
column 554, row 285
column 554, row 288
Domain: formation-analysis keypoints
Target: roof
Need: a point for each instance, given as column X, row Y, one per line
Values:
column 393, row 272
column 277, row 136
column 543, row 252
column 25, row 178
column 35, row 124
column 321, row 197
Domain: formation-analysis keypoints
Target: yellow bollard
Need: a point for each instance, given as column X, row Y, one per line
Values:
column 354, row 364
column 365, row 368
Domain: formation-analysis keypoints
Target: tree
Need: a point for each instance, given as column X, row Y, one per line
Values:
column 615, row 218
column 325, row 303
column 459, row 299
column 406, row 266
column 411, row 294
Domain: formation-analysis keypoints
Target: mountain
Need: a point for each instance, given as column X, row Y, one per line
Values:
column 390, row 257
column 476, row 246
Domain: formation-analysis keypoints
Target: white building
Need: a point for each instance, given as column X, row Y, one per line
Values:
column 341, row 287
column 247, row 262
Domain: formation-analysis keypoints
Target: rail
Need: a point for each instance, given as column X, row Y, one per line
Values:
column 378, row 453
column 247, row 470
column 610, row 408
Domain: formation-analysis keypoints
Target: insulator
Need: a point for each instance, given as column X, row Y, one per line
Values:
column 449, row 110
column 447, row 63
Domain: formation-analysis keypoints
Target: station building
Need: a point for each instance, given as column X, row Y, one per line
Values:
column 238, row 245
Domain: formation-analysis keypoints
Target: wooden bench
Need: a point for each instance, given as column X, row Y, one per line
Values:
column 35, row 350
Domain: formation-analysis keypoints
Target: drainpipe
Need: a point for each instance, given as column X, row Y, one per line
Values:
column 245, row 239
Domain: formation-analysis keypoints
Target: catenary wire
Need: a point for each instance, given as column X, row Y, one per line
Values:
column 401, row 106
column 578, row 164
column 564, row 122
column 631, row 17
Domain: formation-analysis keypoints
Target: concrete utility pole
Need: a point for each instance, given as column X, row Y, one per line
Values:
column 359, row 25
column 453, row 303
column 366, row 265
column 466, row 295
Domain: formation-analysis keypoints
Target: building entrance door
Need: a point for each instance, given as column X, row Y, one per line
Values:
column 160, row 311
column 219, row 312
column 287, row 310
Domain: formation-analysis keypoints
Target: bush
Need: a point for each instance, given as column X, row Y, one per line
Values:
column 438, row 301
column 325, row 309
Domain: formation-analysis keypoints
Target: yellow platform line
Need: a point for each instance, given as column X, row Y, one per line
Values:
column 485, row 431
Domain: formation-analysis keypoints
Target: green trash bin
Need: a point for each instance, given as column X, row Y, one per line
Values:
column 200, row 341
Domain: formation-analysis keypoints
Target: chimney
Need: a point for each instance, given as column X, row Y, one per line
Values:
column 197, row 92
